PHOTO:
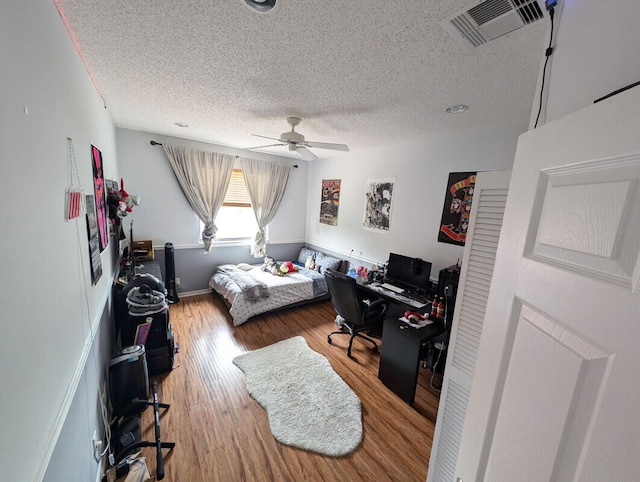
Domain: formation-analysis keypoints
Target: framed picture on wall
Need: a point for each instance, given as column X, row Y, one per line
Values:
column 378, row 201
column 94, row 242
column 457, row 208
column 330, row 201
column 99, row 189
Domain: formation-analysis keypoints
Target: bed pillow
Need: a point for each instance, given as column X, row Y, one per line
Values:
column 244, row 266
column 324, row 262
column 304, row 254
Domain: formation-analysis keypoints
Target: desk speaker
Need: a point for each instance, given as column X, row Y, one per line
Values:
column 129, row 381
column 170, row 271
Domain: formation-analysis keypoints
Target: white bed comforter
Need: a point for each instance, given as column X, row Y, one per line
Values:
column 283, row 290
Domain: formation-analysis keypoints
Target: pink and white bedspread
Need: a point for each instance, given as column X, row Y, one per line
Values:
column 280, row 291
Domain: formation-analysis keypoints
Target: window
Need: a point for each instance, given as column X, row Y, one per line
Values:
column 235, row 219
column 237, row 194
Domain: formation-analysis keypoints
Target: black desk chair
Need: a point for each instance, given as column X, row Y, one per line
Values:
column 358, row 316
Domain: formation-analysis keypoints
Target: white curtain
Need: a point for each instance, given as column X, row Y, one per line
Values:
column 266, row 184
column 204, row 178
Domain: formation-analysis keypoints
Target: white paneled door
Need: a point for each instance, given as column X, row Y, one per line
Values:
column 556, row 390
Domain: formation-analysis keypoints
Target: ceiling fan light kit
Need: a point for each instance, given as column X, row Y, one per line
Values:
column 296, row 142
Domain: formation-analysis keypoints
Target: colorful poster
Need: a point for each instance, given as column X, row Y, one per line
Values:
column 457, row 208
column 330, row 201
column 101, row 197
column 377, row 204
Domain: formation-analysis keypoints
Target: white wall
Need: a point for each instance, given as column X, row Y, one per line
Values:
column 51, row 313
column 596, row 53
column 421, row 170
column 164, row 214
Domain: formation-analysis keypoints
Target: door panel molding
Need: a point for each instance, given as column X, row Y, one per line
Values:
column 556, row 420
column 573, row 202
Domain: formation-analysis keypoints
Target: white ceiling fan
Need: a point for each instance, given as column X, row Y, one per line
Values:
column 296, row 142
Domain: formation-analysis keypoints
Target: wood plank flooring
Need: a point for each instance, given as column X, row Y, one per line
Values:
column 222, row 434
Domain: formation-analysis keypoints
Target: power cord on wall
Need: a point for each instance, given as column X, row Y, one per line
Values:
column 548, row 52
column 107, row 427
column 82, row 278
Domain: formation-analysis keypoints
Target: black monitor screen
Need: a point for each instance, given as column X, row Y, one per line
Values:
column 409, row 272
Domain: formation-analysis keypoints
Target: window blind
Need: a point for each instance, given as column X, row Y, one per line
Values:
column 237, row 194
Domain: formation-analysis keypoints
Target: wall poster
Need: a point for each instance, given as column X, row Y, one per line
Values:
column 457, row 208
column 94, row 242
column 101, row 197
column 377, row 204
column 330, row 201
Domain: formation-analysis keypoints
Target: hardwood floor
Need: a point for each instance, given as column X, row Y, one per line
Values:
column 222, row 434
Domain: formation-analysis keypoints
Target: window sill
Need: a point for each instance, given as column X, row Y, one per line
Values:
column 229, row 242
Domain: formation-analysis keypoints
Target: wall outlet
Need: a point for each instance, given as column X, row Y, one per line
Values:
column 97, row 445
column 177, row 282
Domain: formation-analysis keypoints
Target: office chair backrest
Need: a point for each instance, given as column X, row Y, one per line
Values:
column 344, row 296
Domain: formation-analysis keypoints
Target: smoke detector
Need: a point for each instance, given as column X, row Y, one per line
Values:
column 488, row 20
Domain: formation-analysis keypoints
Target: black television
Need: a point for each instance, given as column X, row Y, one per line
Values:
column 408, row 273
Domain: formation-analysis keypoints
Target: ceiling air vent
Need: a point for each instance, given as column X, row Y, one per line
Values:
column 482, row 22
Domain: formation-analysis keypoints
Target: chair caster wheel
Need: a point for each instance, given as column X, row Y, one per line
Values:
column 329, row 340
column 375, row 349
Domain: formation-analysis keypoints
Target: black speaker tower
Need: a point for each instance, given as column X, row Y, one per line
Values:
column 170, row 271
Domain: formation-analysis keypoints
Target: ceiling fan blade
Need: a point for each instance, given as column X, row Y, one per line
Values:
column 265, row 137
column 325, row 145
column 261, row 147
column 306, row 154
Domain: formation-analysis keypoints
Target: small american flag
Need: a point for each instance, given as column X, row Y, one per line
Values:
column 74, row 204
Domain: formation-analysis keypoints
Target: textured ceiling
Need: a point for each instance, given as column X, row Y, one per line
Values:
column 360, row 72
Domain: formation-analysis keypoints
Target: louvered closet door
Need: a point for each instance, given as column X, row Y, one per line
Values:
column 489, row 200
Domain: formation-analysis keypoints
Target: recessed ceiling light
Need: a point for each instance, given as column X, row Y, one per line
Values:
column 181, row 124
column 456, row 109
column 261, row 5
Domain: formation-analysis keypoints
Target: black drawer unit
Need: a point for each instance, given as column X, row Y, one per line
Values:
column 402, row 347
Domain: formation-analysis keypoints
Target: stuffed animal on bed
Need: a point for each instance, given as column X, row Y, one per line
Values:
column 310, row 263
column 287, row 267
column 270, row 265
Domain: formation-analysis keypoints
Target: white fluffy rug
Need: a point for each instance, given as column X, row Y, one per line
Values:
column 308, row 404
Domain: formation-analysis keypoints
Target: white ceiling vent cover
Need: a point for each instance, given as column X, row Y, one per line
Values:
column 482, row 22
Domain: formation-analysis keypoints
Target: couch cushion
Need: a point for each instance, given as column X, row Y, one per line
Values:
column 324, row 262
column 304, row 253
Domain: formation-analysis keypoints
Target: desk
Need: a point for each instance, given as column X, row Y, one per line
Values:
column 402, row 344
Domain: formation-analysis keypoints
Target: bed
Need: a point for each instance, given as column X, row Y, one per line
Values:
column 249, row 290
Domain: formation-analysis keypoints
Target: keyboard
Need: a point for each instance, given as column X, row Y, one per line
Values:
column 393, row 288
column 410, row 301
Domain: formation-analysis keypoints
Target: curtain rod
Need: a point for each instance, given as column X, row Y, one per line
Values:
column 154, row 143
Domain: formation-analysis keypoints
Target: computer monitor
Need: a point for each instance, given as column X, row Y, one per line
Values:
column 411, row 273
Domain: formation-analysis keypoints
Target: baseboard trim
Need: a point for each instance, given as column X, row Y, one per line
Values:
column 187, row 294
